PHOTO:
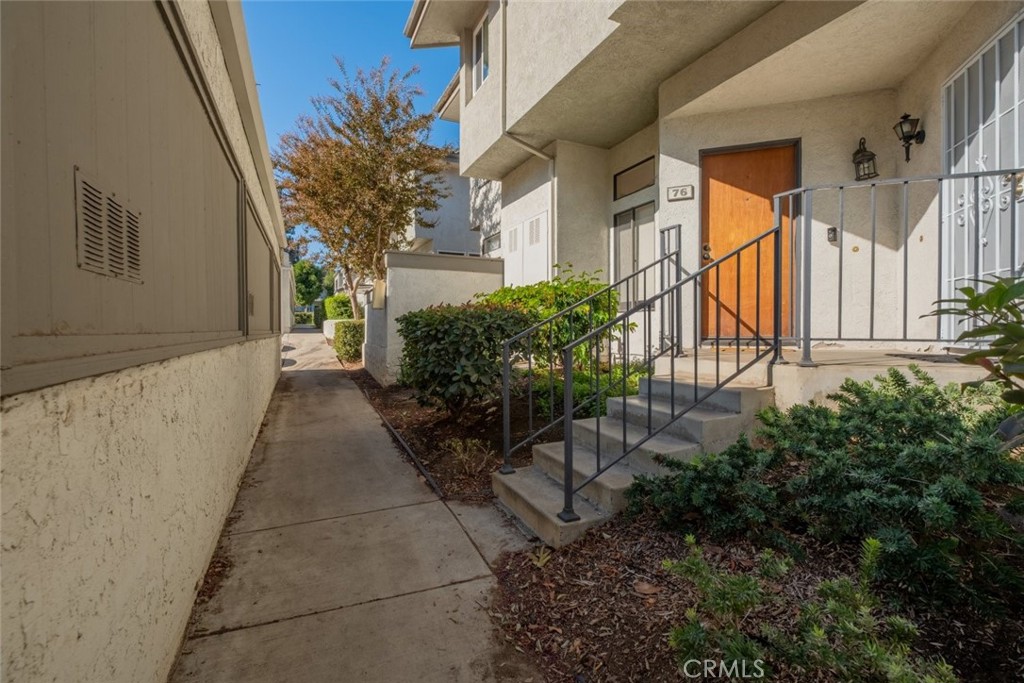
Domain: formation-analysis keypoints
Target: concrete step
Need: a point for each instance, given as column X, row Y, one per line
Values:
column 607, row 491
column 536, row 499
column 735, row 399
column 712, row 429
column 585, row 432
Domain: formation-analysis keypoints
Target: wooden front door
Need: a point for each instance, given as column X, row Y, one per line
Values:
column 736, row 190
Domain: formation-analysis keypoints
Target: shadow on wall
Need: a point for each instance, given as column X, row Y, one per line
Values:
column 485, row 206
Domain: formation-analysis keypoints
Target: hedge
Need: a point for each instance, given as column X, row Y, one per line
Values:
column 452, row 354
column 337, row 307
column 348, row 340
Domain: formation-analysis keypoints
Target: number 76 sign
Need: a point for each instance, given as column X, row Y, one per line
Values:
column 679, row 192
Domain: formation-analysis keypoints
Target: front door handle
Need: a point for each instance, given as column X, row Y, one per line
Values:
column 706, row 252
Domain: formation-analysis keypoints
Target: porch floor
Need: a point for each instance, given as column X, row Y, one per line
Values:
column 798, row 384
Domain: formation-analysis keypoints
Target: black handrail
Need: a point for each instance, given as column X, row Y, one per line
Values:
column 520, row 347
column 669, row 295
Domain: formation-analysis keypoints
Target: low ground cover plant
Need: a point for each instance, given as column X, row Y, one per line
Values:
column 348, row 339
column 917, row 466
column 839, row 633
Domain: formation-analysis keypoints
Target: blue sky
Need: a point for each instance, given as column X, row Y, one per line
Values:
column 293, row 45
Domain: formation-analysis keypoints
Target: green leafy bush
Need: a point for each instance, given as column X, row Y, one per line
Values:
column 304, row 318
column 541, row 300
column 996, row 309
column 337, row 307
column 452, row 354
column 909, row 463
column 585, row 385
column 840, row 633
column 348, row 339
column 318, row 313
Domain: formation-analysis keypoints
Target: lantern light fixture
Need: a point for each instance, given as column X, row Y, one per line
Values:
column 864, row 162
column 908, row 133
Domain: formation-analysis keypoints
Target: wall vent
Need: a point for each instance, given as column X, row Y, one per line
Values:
column 109, row 233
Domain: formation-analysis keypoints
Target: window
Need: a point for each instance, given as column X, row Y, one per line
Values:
column 492, row 243
column 634, row 179
column 481, row 55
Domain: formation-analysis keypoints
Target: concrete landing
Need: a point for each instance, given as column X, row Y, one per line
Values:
column 344, row 565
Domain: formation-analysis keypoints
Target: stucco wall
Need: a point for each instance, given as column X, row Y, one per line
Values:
column 584, row 188
column 485, row 210
column 114, row 492
column 827, row 131
column 525, row 193
column 414, row 282
column 480, row 117
column 557, row 34
column 451, row 231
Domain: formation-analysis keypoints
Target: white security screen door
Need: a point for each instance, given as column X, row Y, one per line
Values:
column 984, row 117
column 635, row 243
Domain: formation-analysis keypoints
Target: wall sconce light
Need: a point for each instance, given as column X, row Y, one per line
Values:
column 864, row 162
column 907, row 132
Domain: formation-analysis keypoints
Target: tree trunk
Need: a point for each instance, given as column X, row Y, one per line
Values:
column 353, row 295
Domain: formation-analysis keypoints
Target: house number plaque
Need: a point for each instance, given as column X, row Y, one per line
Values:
column 679, row 193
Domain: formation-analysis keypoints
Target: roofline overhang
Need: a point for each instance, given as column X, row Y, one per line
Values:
column 448, row 97
column 229, row 23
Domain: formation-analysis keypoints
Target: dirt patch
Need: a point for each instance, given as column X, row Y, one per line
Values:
column 432, row 434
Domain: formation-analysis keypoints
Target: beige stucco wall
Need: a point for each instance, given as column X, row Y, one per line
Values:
column 485, row 210
column 583, row 190
column 116, row 484
column 114, row 492
column 414, row 282
column 526, row 193
column 827, row 131
column 557, row 34
column 480, row 118
column 451, row 230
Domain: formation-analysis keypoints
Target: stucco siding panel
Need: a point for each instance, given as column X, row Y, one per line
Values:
column 114, row 492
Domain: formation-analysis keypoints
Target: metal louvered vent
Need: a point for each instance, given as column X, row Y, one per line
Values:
column 109, row 233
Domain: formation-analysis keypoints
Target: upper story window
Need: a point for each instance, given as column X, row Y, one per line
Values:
column 481, row 54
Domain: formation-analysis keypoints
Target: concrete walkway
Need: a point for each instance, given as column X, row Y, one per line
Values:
column 346, row 566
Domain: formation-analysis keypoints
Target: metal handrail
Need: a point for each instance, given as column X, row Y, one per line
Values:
column 510, row 355
column 570, row 488
column 973, row 202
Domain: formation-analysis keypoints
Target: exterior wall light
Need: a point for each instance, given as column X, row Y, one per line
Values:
column 907, row 132
column 864, row 162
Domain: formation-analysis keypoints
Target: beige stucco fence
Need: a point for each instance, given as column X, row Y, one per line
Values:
column 414, row 282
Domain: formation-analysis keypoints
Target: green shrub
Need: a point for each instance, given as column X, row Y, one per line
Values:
column 304, row 318
column 348, row 339
column 585, row 384
column 541, row 300
column 839, row 633
column 337, row 307
column 318, row 313
column 906, row 462
column 996, row 309
column 452, row 354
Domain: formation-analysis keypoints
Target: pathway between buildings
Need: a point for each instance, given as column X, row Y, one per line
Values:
column 344, row 565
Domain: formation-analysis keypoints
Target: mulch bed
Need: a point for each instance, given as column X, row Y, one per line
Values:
column 427, row 429
column 601, row 609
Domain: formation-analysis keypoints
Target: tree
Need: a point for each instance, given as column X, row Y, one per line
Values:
column 309, row 282
column 358, row 169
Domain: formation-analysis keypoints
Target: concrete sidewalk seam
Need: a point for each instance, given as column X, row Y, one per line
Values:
column 233, row 629
column 328, row 519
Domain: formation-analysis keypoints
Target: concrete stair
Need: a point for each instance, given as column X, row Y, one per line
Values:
column 535, row 494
